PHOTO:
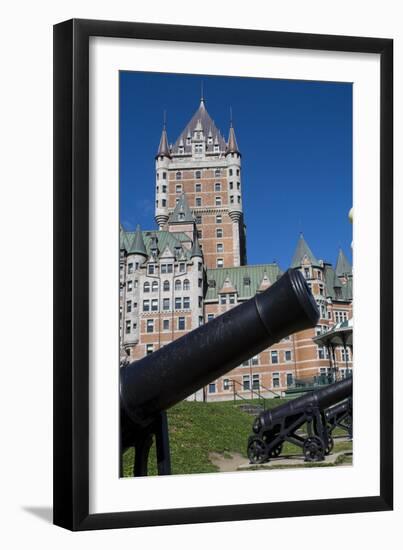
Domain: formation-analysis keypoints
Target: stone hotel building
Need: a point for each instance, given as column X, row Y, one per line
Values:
column 194, row 267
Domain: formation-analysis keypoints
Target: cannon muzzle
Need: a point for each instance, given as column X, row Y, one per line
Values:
column 167, row 376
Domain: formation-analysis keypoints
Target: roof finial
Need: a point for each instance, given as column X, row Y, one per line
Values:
column 165, row 118
column 201, row 92
column 230, row 116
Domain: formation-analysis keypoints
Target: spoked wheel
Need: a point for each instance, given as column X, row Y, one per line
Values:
column 314, row 450
column 257, row 451
column 274, row 453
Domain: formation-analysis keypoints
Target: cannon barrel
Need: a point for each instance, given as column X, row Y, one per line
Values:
column 338, row 409
column 170, row 374
column 322, row 399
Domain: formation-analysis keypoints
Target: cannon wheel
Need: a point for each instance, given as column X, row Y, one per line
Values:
column 257, row 451
column 276, row 451
column 314, row 450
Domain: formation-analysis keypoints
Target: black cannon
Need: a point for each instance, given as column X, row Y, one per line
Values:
column 152, row 385
column 273, row 427
column 340, row 416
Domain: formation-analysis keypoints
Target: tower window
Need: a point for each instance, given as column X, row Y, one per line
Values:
column 231, row 199
column 237, row 171
column 164, row 175
column 128, row 306
column 239, row 199
column 198, row 174
column 218, row 201
column 216, row 148
column 217, row 186
column 199, row 234
column 164, row 189
column 163, row 203
column 238, row 185
column 230, row 171
column 231, row 185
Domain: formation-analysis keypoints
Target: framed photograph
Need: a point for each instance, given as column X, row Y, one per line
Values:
column 223, row 267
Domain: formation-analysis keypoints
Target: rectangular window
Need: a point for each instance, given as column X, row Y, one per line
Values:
column 218, row 218
column 218, row 201
column 199, row 234
column 165, row 304
column 129, row 286
column 128, row 327
column 181, row 323
column 178, row 303
column 130, row 268
column 182, row 267
column 178, row 188
column 164, row 175
column 223, row 299
column 200, row 320
column 198, row 201
column 246, row 382
column 186, row 302
column 274, row 357
column 163, row 203
column 321, row 352
column 255, row 382
column 290, row 379
column 217, row 187
column 276, row 380
column 151, row 269
column 149, row 349
column 287, row 355
column 200, row 301
column 146, row 305
column 210, row 317
column 231, row 199
column 255, row 360
column 128, row 306
column 211, row 387
column 231, row 185
column 219, row 233
column 199, row 266
column 232, row 298
column 225, row 384
column 200, row 283
column 150, row 325
column 198, row 220
column 164, row 189
column 154, row 305
column 220, row 247
column 198, row 188
column 220, row 262
column 165, row 324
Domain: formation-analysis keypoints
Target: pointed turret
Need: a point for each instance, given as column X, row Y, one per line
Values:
column 343, row 266
column 196, row 250
column 138, row 246
column 303, row 252
column 232, row 146
column 163, row 149
column 182, row 212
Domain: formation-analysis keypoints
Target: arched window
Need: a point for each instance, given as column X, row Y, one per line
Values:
column 154, row 286
column 186, row 284
column 178, row 175
column 166, row 285
column 146, row 287
column 178, row 284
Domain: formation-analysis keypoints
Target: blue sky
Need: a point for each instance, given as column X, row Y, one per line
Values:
column 296, row 143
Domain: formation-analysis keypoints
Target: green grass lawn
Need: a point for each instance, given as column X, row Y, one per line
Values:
column 197, row 429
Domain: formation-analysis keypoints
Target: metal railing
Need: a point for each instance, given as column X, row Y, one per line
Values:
column 252, row 391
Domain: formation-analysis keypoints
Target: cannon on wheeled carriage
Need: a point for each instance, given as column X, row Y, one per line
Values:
column 272, row 428
column 340, row 416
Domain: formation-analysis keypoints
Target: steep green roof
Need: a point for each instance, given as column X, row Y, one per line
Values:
column 239, row 277
column 343, row 266
column 335, row 290
column 164, row 239
column 301, row 251
column 182, row 212
column 138, row 246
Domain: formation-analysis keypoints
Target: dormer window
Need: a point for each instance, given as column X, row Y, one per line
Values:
column 181, row 216
column 216, row 148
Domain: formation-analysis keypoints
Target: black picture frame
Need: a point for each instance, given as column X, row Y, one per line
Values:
column 71, row 274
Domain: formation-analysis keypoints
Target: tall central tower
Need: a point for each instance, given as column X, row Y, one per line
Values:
column 207, row 170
